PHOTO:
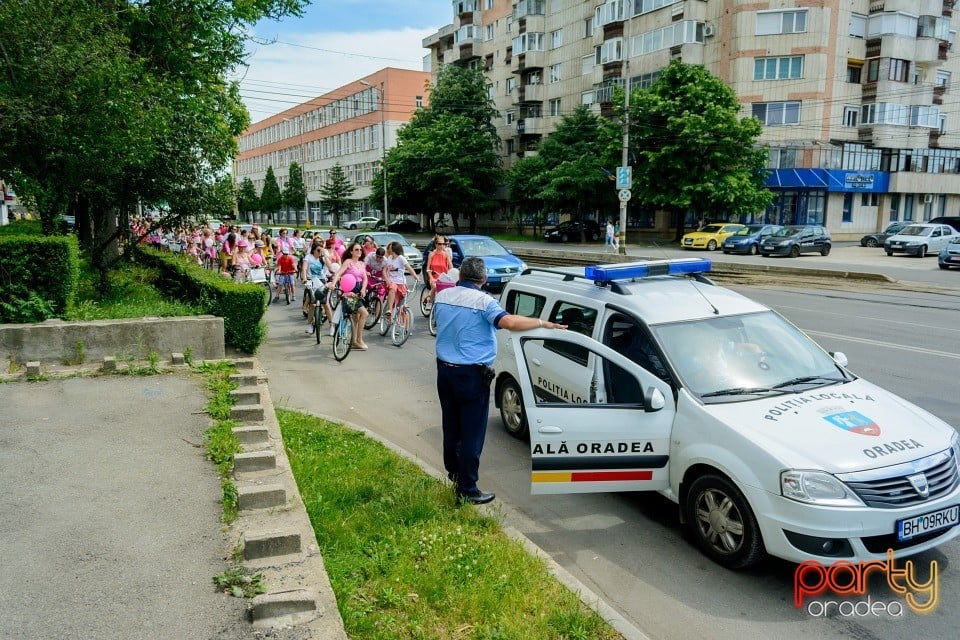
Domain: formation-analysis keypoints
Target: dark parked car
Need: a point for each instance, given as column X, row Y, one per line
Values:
column 400, row 225
column 748, row 239
column 570, row 231
column 953, row 221
column 949, row 256
column 794, row 240
column 877, row 239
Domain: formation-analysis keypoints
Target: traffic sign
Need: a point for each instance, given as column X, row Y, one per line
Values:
column 624, row 195
column 624, row 177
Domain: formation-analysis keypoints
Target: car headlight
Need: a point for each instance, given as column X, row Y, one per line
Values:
column 816, row 487
column 955, row 445
column 912, row 243
column 491, row 271
column 523, row 266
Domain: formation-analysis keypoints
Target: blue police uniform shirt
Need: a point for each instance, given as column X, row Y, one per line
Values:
column 467, row 320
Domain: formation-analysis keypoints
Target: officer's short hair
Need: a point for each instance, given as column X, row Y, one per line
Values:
column 473, row 270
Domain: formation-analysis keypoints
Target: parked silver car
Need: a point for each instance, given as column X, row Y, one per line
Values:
column 920, row 239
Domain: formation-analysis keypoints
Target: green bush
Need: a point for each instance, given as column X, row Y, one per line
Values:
column 240, row 305
column 38, row 276
column 22, row 228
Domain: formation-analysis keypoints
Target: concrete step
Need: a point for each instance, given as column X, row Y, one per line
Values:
column 248, row 379
column 256, row 434
column 261, row 497
column 245, row 364
column 245, row 396
column 289, row 608
column 247, row 413
column 271, row 543
column 254, row 461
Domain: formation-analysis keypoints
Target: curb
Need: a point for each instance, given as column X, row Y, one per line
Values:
column 272, row 528
column 586, row 595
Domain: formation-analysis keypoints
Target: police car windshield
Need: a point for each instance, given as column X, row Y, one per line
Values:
column 750, row 354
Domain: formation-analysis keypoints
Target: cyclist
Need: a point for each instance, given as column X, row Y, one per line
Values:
column 352, row 263
column 287, row 267
column 369, row 246
column 438, row 263
column 314, row 273
column 393, row 274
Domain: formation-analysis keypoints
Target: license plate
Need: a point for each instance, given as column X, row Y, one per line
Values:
column 933, row 521
column 506, row 278
column 954, row 259
column 767, row 247
column 895, row 244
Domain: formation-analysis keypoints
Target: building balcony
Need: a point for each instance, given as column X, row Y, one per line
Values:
column 612, row 70
column 613, row 30
column 529, row 60
column 927, row 50
column 915, row 7
column 531, row 127
column 533, row 23
column 896, row 46
column 531, row 93
column 450, row 55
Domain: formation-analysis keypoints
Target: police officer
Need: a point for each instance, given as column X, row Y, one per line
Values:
column 467, row 319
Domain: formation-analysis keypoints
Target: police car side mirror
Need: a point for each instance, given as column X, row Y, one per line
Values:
column 653, row 400
column 839, row 357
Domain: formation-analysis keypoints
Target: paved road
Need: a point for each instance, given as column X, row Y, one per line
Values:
column 629, row 547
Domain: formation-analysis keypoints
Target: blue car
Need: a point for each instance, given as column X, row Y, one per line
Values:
column 502, row 265
column 748, row 239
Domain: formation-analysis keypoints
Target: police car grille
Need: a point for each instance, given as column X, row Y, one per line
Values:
column 889, row 493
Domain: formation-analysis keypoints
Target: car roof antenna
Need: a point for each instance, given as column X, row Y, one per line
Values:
column 716, row 311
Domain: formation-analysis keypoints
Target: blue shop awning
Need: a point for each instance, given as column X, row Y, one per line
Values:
column 797, row 179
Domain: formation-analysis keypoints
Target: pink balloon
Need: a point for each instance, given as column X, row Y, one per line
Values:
column 347, row 282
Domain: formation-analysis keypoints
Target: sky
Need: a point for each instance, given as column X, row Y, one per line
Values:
column 334, row 43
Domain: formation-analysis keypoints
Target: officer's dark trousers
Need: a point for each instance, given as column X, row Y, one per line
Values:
column 465, row 402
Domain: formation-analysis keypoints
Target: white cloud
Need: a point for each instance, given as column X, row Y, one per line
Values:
column 281, row 76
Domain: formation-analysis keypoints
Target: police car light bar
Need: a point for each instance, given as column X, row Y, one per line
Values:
column 601, row 273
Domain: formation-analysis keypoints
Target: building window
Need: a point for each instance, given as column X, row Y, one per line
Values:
column 868, row 199
column 848, row 207
column 777, row 113
column 787, row 68
column 508, row 115
column 853, row 73
column 924, row 116
column 775, row 22
column 490, row 91
column 511, row 146
column 644, row 6
column 587, row 98
column 610, row 11
column 850, row 116
column 488, row 32
column 588, row 27
column 511, row 84
column 873, row 70
column 943, row 78
column 509, row 24
column 899, row 70
column 610, row 51
column 586, row 64
column 858, row 25
column 555, row 75
column 529, row 41
column 555, row 107
column 556, row 38
column 884, row 113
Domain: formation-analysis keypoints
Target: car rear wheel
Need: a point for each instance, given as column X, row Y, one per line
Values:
column 944, row 267
column 871, row 242
column 511, row 409
column 795, row 252
column 825, row 250
column 922, row 252
column 564, row 238
column 712, row 245
column 722, row 522
column 594, row 236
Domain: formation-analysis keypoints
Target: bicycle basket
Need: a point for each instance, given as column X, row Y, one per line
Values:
column 350, row 304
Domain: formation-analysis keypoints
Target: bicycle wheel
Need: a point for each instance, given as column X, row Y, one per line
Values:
column 401, row 327
column 334, row 298
column 269, row 292
column 384, row 324
column 343, row 339
column 425, row 304
column 318, row 317
column 375, row 308
column 432, row 323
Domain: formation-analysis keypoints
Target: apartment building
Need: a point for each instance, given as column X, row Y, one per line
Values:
column 858, row 98
column 352, row 126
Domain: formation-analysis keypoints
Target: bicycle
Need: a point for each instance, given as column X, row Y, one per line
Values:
column 400, row 323
column 432, row 318
column 376, row 294
column 255, row 275
column 343, row 335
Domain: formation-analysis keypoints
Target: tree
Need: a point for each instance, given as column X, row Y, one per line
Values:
column 270, row 198
column 336, row 193
column 247, row 200
column 694, row 153
column 447, row 157
column 573, row 158
column 524, row 184
column 295, row 192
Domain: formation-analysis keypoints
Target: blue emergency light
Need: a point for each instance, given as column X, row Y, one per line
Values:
column 602, row 273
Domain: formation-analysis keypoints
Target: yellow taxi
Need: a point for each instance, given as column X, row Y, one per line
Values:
column 709, row 237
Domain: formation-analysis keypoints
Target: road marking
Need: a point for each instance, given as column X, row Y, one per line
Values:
column 880, row 343
column 900, row 322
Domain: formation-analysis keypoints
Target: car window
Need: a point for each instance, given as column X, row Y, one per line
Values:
column 626, row 336
column 935, row 233
column 481, row 247
column 577, row 318
column 712, row 228
column 524, row 304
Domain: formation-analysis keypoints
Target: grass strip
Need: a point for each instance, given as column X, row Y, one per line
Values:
column 222, row 445
column 406, row 562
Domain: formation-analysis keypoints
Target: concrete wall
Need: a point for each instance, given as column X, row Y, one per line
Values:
column 56, row 341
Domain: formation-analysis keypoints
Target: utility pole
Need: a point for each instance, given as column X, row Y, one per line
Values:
column 625, row 151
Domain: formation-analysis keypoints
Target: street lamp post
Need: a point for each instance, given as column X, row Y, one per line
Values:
column 383, row 145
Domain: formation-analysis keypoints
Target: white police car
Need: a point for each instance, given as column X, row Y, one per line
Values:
column 665, row 381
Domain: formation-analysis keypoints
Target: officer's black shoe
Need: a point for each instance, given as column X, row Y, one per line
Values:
column 476, row 497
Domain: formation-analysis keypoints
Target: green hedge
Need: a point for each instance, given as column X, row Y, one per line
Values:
column 38, row 276
column 22, row 228
column 240, row 305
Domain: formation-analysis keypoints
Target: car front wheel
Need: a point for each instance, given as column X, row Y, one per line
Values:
column 511, row 409
column 871, row 242
column 712, row 245
column 722, row 522
column 795, row 252
column 754, row 249
column 922, row 253
column 825, row 250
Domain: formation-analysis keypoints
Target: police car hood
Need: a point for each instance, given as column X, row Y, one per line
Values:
column 837, row 428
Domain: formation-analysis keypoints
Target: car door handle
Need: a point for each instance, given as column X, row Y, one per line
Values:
column 536, row 362
column 550, row 430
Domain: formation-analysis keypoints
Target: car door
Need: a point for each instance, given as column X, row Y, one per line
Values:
column 613, row 434
column 456, row 251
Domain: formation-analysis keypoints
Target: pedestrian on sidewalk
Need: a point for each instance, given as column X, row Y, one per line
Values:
column 616, row 238
column 467, row 320
column 608, row 238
